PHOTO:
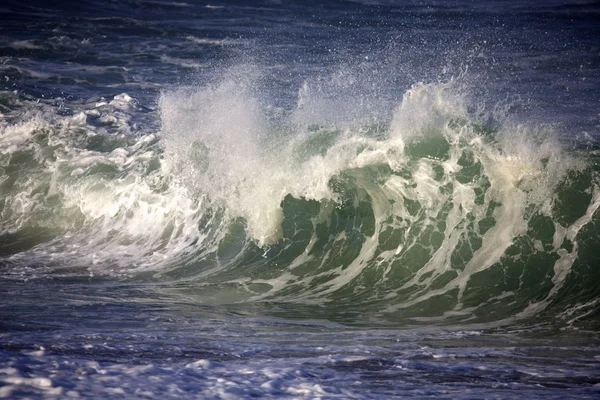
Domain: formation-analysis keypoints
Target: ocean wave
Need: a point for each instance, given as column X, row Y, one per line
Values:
column 433, row 215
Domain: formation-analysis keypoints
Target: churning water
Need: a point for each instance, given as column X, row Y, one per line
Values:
column 332, row 200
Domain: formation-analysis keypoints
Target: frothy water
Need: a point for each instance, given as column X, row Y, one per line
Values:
column 406, row 214
column 358, row 206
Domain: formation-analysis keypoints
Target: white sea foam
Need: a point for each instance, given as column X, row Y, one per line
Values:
column 108, row 220
column 214, row 42
column 218, row 156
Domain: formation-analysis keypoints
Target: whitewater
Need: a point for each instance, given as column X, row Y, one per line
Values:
column 348, row 200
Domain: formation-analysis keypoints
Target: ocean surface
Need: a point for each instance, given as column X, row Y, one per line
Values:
column 299, row 199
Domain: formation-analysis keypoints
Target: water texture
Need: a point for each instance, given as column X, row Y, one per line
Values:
column 297, row 199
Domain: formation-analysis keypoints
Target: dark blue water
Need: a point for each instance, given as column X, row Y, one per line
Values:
column 345, row 199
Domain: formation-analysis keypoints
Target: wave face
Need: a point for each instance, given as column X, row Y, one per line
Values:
column 437, row 215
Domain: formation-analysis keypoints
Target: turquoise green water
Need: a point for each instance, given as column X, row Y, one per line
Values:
column 434, row 218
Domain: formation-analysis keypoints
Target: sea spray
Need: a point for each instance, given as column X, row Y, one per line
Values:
column 433, row 216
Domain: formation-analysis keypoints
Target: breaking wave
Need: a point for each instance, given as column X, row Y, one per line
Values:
column 435, row 214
